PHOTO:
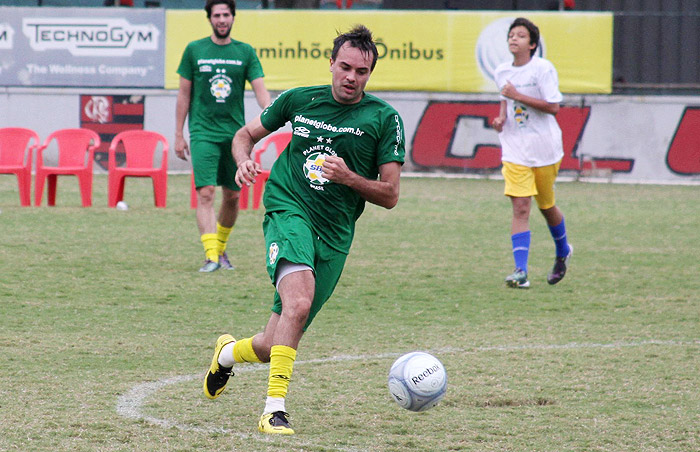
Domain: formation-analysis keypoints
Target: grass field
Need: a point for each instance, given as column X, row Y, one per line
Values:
column 106, row 327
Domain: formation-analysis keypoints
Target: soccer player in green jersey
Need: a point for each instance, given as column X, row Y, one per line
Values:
column 213, row 72
column 347, row 148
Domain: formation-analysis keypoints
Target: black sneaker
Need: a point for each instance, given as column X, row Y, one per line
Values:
column 559, row 269
column 217, row 376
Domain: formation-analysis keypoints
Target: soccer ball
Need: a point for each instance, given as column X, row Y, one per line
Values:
column 417, row 381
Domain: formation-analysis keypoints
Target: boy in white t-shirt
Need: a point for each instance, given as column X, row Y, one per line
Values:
column 531, row 147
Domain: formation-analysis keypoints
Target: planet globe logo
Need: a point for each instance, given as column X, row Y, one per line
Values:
column 313, row 168
column 220, row 89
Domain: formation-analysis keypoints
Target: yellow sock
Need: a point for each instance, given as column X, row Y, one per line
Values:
column 210, row 243
column 281, row 364
column 243, row 351
column 222, row 234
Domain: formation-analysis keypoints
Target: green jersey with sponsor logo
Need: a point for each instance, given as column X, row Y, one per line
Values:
column 218, row 75
column 366, row 135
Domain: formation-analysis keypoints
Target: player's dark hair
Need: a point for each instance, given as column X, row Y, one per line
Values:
column 359, row 37
column 210, row 4
column 531, row 28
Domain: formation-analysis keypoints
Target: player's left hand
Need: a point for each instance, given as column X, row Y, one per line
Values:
column 335, row 169
column 247, row 172
column 182, row 149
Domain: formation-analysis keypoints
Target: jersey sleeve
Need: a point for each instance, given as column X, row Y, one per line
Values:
column 549, row 85
column 277, row 113
column 392, row 142
column 185, row 69
column 254, row 69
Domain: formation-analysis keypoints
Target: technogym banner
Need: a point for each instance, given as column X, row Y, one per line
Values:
column 431, row 51
column 81, row 47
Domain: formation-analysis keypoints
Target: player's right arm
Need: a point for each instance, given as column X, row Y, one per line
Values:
column 262, row 95
column 500, row 120
column 242, row 146
column 181, row 109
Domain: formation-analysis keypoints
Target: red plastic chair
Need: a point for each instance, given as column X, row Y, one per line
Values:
column 280, row 141
column 16, row 158
column 139, row 147
column 76, row 152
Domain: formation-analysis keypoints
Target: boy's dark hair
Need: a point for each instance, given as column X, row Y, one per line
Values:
column 210, row 4
column 359, row 37
column 531, row 28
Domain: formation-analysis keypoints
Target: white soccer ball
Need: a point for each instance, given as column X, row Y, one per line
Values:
column 417, row 381
column 121, row 205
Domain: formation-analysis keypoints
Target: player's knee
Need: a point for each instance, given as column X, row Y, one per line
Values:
column 205, row 195
column 521, row 212
column 297, row 310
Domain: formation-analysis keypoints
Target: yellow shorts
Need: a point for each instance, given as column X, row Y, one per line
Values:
column 523, row 182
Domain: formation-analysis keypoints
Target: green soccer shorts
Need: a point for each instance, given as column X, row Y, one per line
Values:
column 212, row 164
column 288, row 236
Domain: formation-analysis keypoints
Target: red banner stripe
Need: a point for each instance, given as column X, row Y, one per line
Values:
column 113, row 128
column 127, row 109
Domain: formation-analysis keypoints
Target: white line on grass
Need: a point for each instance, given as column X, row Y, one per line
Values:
column 129, row 405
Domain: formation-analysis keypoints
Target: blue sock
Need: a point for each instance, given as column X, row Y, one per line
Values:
column 521, row 249
column 559, row 235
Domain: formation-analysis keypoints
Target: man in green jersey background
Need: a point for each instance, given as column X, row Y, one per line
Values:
column 213, row 72
column 347, row 148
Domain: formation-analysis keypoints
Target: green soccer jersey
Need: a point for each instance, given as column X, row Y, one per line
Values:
column 218, row 74
column 366, row 135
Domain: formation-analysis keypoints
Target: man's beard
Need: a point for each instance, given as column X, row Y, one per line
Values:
column 222, row 36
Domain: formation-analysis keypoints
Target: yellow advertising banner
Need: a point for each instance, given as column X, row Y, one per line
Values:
column 418, row 51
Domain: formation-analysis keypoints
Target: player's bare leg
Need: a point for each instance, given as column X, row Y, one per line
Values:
column 520, row 235
column 206, row 222
column 228, row 213
column 564, row 250
column 281, row 339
